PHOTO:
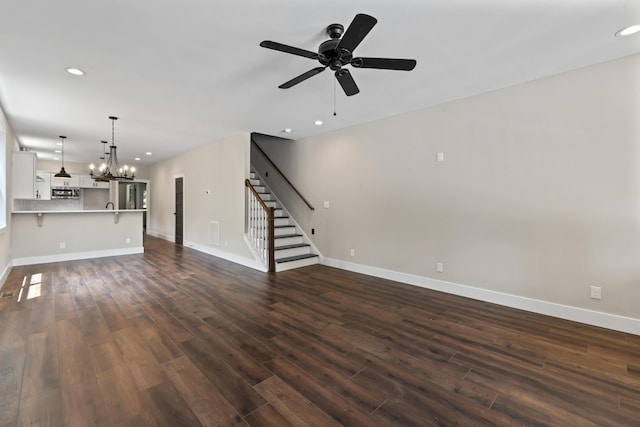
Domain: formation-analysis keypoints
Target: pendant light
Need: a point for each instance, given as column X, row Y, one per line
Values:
column 111, row 170
column 63, row 173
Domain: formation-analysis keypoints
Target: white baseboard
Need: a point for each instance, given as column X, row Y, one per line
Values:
column 225, row 255
column 5, row 274
column 168, row 237
column 576, row 314
column 44, row 259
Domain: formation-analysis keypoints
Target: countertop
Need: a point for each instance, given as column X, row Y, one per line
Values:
column 79, row 211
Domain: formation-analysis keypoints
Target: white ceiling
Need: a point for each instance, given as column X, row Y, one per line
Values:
column 181, row 74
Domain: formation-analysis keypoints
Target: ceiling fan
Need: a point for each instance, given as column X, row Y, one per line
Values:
column 338, row 52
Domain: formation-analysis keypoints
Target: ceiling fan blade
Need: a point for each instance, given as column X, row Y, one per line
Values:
column 359, row 28
column 346, row 81
column 385, row 63
column 289, row 49
column 302, row 77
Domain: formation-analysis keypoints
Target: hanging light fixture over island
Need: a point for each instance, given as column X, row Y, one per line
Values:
column 111, row 170
column 63, row 173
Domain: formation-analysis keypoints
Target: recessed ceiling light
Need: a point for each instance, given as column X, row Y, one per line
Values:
column 56, row 158
column 627, row 31
column 75, row 71
column 318, row 123
column 287, row 130
column 149, row 153
column 137, row 159
column 57, row 151
column 59, row 143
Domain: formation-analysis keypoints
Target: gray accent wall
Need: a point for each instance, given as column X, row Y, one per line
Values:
column 538, row 195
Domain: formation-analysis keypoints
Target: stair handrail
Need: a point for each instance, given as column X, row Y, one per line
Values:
column 270, row 211
column 282, row 175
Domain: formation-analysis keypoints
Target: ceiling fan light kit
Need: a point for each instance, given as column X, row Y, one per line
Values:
column 337, row 52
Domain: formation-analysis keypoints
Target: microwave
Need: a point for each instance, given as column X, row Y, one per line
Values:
column 65, row 193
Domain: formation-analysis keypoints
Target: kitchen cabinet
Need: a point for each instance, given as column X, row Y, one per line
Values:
column 23, row 175
column 43, row 185
column 87, row 182
column 74, row 181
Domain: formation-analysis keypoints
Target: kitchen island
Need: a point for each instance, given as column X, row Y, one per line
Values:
column 63, row 235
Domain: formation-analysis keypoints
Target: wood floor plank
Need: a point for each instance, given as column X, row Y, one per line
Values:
column 168, row 408
column 12, row 360
column 121, row 397
column 41, row 365
column 74, row 361
column 142, row 364
column 234, row 388
column 42, row 410
column 205, row 399
column 82, row 404
column 293, row 406
column 341, row 410
column 268, row 416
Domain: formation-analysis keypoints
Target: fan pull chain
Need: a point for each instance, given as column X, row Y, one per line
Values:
column 334, row 98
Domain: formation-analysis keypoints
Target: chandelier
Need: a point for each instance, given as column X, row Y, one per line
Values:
column 111, row 170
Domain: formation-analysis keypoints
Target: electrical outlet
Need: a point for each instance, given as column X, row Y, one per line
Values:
column 326, row 205
column 62, row 245
column 128, row 241
column 596, row 292
column 440, row 157
column 439, row 267
column 352, row 252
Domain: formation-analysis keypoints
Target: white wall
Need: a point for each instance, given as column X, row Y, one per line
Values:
column 538, row 196
column 5, row 235
column 219, row 168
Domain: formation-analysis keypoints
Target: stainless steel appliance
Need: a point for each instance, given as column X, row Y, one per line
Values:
column 65, row 193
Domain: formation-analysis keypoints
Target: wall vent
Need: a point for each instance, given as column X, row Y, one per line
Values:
column 214, row 233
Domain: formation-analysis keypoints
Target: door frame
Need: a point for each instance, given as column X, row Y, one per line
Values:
column 174, row 206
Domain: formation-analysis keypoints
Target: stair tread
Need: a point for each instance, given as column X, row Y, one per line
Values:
column 284, row 236
column 296, row 258
column 297, row 245
column 284, row 226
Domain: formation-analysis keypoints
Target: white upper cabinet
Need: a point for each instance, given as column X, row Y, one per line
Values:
column 23, row 175
column 87, row 182
column 74, row 181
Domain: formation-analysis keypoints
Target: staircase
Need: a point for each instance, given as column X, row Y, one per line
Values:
column 292, row 250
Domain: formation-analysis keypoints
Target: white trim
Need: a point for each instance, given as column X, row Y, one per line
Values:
column 44, row 259
column 161, row 236
column 5, row 274
column 256, row 255
column 576, row 314
column 225, row 255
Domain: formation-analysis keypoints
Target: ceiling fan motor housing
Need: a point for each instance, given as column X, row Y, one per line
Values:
column 332, row 57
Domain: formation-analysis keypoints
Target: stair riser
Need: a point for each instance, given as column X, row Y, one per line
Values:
column 284, row 253
column 288, row 241
column 296, row 264
column 281, row 221
column 266, row 197
column 284, row 231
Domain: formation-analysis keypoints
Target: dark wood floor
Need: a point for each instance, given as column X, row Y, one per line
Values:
column 178, row 338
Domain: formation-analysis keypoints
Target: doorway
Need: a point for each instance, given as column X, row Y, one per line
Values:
column 133, row 195
column 179, row 213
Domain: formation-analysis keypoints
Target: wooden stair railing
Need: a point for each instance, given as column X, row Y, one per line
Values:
column 255, row 144
column 261, row 227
